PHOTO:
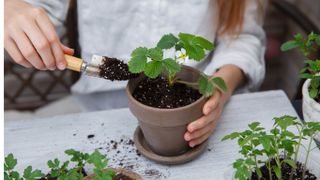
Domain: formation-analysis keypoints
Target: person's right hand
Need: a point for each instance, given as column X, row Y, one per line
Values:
column 30, row 37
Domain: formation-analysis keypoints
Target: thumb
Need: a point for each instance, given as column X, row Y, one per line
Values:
column 212, row 103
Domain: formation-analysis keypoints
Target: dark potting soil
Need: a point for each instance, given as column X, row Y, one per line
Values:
column 115, row 69
column 286, row 172
column 158, row 93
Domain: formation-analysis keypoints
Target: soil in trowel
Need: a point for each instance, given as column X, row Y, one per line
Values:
column 115, row 69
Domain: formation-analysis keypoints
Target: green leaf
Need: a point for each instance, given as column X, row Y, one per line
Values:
column 155, row 54
column 291, row 162
column 98, row 160
column 204, row 43
column 313, row 93
column 153, row 69
column 167, row 41
column 318, row 40
column 277, row 170
column 231, row 136
column 194, row 52
column 138, row 60
column 219, row 83
column 289, row 45
column 15, row 175
column 186, row 38
column 140, row 51
column 171, row 65
column 28, row 174
column 10, row 162
column 305, row 76
column 205, row 87
column 266, row 143
column 137, row 64
column 254, row 125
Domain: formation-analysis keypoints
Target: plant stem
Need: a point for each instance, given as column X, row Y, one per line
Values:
column 296, row 152
column 269, row 169
column 187, row 83
column 307, row 157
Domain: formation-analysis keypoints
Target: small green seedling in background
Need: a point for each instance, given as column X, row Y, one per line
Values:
column 61, row 170
column 100, row 163
column 279, row 144
column 312, row 69
column 153, row 63
column 11, row 174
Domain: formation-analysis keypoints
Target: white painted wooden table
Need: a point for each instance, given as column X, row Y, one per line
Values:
column 36, row 141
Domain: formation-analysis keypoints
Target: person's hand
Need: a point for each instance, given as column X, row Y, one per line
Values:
column 30, row 38
column 198, row 131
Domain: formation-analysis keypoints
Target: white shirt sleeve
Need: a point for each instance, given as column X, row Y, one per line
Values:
column 246, row 51
column 57, row 10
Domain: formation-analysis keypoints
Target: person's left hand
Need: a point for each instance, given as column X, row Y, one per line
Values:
column 198, row 131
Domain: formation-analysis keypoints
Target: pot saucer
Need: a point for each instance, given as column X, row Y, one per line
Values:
column 145, row 150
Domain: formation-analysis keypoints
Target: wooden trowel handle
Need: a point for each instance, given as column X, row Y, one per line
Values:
column 73, row 63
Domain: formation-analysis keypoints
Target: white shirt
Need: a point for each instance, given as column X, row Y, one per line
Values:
column 115, row 28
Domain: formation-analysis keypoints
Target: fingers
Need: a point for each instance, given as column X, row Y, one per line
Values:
column 27, row 49
column 15, row 53
column 200, row 139
column 197, row 134
column 53, row 41
column 199, row 123
column 67, row 50
column 212, row 103
column 40, row 42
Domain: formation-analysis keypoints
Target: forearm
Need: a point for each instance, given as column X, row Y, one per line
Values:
column 233, row 77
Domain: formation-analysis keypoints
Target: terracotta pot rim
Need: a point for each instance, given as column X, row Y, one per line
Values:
column 150, row 108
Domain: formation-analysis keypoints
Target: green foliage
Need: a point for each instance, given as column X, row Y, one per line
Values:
column 207, row 85
column 153, row 63
column 28, row 174
column 100, row 162
column 312, row 67
column 279, row 144
column 167, row 41
column 60, row 170
column 11, row 174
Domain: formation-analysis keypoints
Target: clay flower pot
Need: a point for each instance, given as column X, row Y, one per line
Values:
column 164, row 129
column 128, row 174
column 310, row 107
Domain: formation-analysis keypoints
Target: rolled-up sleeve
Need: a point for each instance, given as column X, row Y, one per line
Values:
column 246, row 51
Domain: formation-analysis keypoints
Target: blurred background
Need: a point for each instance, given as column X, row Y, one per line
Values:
column 28, row 92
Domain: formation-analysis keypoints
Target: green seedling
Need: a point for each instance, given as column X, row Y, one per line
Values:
column 62, row 170
column 11, row 174
column 100, row 163
column 152, row 63
column 280, row 144
column 312, row 68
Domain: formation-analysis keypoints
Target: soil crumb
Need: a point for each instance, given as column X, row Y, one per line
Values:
column 115, row 69
column 158, row 93
column 90, row 136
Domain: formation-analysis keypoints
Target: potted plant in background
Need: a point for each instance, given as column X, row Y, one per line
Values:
column 275, row 154
column 311, row 72
column 62, row 171
column 168, row 95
